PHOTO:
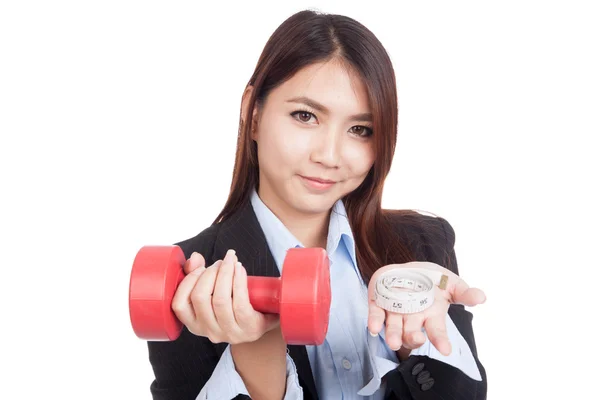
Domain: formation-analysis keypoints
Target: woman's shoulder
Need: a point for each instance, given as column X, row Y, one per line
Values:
column 421, row 230
column 418, row 220
column 203, row 242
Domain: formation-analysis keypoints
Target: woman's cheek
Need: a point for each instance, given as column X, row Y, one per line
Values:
column 293, row 145
column 359, row 157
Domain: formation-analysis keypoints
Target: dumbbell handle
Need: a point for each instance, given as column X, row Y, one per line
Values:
column 265, row 294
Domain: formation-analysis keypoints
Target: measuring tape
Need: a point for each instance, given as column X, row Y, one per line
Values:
column 408, row 290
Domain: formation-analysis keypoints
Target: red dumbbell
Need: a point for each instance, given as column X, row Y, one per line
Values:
column 301, row 296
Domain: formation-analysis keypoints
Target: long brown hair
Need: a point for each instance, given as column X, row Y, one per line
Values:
column 309, row 37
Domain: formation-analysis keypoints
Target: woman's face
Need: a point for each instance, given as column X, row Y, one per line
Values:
column 315, row 125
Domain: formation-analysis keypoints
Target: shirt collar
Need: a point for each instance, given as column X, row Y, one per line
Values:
column 339, row 230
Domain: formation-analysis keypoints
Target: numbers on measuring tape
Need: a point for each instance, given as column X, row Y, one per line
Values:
column 407, row 290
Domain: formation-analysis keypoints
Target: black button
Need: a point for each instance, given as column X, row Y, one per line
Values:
column 422, row 377
column 418, row 368
column 428, row 384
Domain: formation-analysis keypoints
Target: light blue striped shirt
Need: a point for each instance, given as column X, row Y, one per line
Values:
column 351, row 362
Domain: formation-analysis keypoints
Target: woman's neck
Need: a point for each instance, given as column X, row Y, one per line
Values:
column 310, row 229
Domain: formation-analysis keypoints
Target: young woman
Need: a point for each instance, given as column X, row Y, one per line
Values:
column 316, row 141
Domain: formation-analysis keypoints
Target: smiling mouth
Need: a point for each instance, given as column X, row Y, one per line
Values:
column 317, row 184
column 319, row 180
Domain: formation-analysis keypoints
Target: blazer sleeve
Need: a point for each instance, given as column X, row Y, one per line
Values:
column 423, row 378
column 183, row 366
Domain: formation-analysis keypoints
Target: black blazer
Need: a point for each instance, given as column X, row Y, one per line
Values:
column 183, row 366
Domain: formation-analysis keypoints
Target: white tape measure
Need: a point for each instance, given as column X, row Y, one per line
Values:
column 407, row 290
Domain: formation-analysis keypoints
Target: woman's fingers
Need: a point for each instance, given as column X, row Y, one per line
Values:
column 222, row 295
column 242, row 309
column 214, row 302
column 251, row 322
column 195, row 261
column 465, row 295
column 375, row 319
column 413, row 337
column 201, row 298
column 435, row 326
column 393, row 330
column 181, row 303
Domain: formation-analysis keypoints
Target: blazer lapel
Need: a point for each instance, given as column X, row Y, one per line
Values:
column 242, row 232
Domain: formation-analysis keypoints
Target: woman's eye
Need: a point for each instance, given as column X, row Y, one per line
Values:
column 361, row 130
column 303, row 116
column 358, row 130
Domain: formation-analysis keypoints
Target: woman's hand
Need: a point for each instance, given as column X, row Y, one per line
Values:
column 213, row 302
column 404, row 330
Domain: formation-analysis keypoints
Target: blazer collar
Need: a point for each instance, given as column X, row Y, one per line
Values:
column 242, row 232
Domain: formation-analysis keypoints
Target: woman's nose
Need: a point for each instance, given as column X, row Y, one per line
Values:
column 327, row 147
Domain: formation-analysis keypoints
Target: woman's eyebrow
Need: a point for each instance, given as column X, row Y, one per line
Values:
column 321, row 108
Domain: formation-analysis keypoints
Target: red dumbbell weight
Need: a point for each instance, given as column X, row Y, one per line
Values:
column 301, row 296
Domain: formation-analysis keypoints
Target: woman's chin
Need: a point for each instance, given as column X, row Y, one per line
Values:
column 309, row 203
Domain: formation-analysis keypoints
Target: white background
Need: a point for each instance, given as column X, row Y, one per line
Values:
column 118, row 124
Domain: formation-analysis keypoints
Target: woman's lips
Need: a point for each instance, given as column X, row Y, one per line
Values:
column 317, row 183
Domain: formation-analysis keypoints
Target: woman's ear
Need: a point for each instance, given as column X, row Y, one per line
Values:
column 245, row 104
